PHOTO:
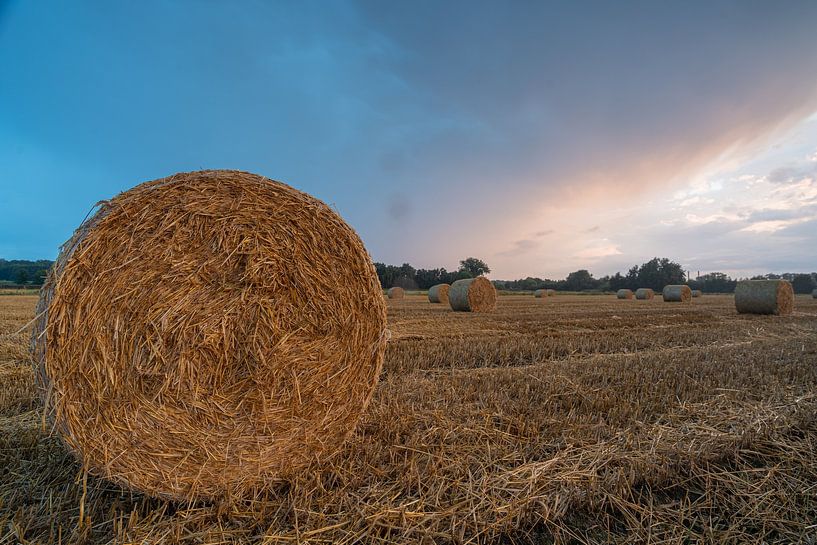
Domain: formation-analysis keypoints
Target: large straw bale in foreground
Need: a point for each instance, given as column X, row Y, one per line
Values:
column 396, row 293
column 680, row 293
column 206, row 333
column 764, row 297
column 472, row 295
column 624, row 294
column 644, row 293
column 438, row 293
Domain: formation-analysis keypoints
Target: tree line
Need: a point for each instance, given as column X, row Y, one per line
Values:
column 655, row 273
column 407, row 277
column 23, row 272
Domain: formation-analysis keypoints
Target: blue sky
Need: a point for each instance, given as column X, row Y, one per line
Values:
column 542, row 137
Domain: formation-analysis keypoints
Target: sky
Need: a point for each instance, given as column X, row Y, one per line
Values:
column 542, row 137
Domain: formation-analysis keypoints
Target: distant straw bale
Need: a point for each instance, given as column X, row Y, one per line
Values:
column 438, row 294
column 396, row 293
column 551, row 293
column 644, row 293
column 764, row 297
column 814, row 294
column 472, row 295
column 680, row 293
column 203, row 335
column 697, row 293
column 540, row 293
column 624, row 294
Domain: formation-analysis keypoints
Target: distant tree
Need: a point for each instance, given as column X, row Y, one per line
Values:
column 803, row 283
column 40, row 276
column 475, row 267
column 580, row 280
column 617, row 282
column 715, row 282
column 22, row 277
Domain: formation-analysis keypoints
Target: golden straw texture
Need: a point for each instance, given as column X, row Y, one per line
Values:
column 644, row 293
column 396, row 293
column 207, row 333
column 764, row 297
column 624, row 294
column 438, row 294
column 679, row 293
column 472, row 295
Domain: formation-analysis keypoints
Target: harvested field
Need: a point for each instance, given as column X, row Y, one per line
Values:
column 586, row 420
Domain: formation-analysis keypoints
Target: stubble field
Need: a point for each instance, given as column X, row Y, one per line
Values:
column 570, row 419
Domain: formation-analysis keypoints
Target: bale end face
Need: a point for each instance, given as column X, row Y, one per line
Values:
column 206, row 334
column 624, row 294
column 764, row 297
column 472, row 295
column 396, row 293
column 677, row 294
column 438, row 294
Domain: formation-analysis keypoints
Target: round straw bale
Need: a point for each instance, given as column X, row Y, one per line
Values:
column 472, row 295
column 540, row 293
column 644, row 293
column 624, row 294
column 551, row 293
column 438, row 293
column 814, row 294
column 697, row 293
column 396, row 293
column 764, row 297
column 677, row 294
column 207, row 333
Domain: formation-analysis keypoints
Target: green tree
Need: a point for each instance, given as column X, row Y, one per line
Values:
column 580, row 280
column 22, row 277
column 803, row 283
column 474, row 267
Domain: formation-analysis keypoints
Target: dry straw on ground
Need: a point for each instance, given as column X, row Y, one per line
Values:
column 438, row 294
column 204, row 334
column 624, row 294
column 644, row 293
column 396, row 293
column 764, row 297
column 540, row 293
column 677, row 294
column 697, row 293
column 472, row 295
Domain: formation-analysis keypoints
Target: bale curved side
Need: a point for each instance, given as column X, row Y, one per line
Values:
column 396, row 293
column 680, row 293
column 189, row 329
column 644, row 293
column 472, row 295
column 764, row 297
column 624, row 294
column 438, row 294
